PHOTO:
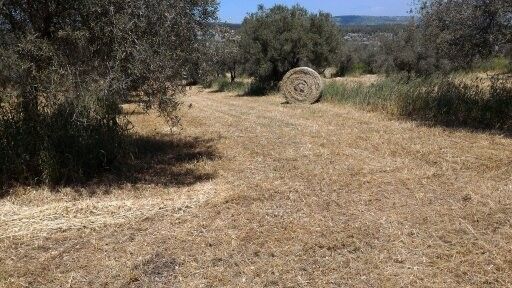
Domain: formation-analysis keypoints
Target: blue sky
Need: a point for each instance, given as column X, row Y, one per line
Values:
column 235, row 10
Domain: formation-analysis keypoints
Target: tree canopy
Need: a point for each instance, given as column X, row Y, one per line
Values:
column 275, row 40
column 66, row 66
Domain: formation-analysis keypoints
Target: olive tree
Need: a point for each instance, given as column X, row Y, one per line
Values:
column 462, row 31
column 275, row 40
column 217, row 54
column 229, row 58
column 65, row 66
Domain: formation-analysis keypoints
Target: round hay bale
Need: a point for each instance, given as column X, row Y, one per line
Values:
column 302, row 85
column 330, row 72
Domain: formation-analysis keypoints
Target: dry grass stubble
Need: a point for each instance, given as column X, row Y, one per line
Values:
column 319, row 196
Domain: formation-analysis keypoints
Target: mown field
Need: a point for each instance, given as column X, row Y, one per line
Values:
column 255, row 193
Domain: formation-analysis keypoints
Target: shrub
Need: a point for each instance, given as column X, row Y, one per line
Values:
column 508, row 55
column 448, row 36
column 376, row 97
column 462, row 31
column 493, row 64
column 225, row 85
column 257, row 88
column 451, row 35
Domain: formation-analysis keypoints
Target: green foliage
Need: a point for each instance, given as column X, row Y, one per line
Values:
column 447, row 36
column 258, row 88
column 450, row 35
column 275, row 40
column 66, row 66
column 508, row 55
column 377, row 97
column 225, row 85
column 462, row 104
column 444, row 101
column 229, row 58
column 358, row 59
column 375, row 29
column 387, row 53
column 359, row 69
column 494, row 64
column 219, row 54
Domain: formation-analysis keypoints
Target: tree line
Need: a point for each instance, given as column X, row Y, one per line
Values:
column 443, row 37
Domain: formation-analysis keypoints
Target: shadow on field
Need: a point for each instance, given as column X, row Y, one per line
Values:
column 168, row 161
column 251, row 95
column 240, row 88
column 160, row 160
column 241, row 94
column 503, row 132
column 255, row 92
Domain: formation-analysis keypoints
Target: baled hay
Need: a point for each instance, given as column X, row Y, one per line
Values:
column 302, row 85
column 330, row 72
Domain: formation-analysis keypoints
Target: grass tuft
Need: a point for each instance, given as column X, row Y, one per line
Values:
column 225, row 85
column 495, row 64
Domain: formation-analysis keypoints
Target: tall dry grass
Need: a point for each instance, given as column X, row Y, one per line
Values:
column 484, row 103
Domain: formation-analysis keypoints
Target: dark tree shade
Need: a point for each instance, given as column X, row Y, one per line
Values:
column 66, row 66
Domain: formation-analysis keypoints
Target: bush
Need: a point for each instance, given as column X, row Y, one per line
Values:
column 356, row 59
column 446, row 36
column 257, row 88
column 485, row 104
column 376, row 97
column 253, row 88
column 278, row 39
column 508, row 55
column 225, row 85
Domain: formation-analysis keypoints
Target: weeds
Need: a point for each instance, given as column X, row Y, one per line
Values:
column 494, row 64
column 242, row 88
column 225, row 85
column 484, row 104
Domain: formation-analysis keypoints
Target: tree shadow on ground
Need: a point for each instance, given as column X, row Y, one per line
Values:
column 506, row 133
column 240, row 94
column 160, row 160
column 255, row 93
column 167, row 161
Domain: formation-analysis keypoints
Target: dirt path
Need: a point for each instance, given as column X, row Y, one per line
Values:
column 279, row 195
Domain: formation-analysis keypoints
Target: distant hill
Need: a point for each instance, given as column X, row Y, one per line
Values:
column 351, row 20
column 234, row 26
